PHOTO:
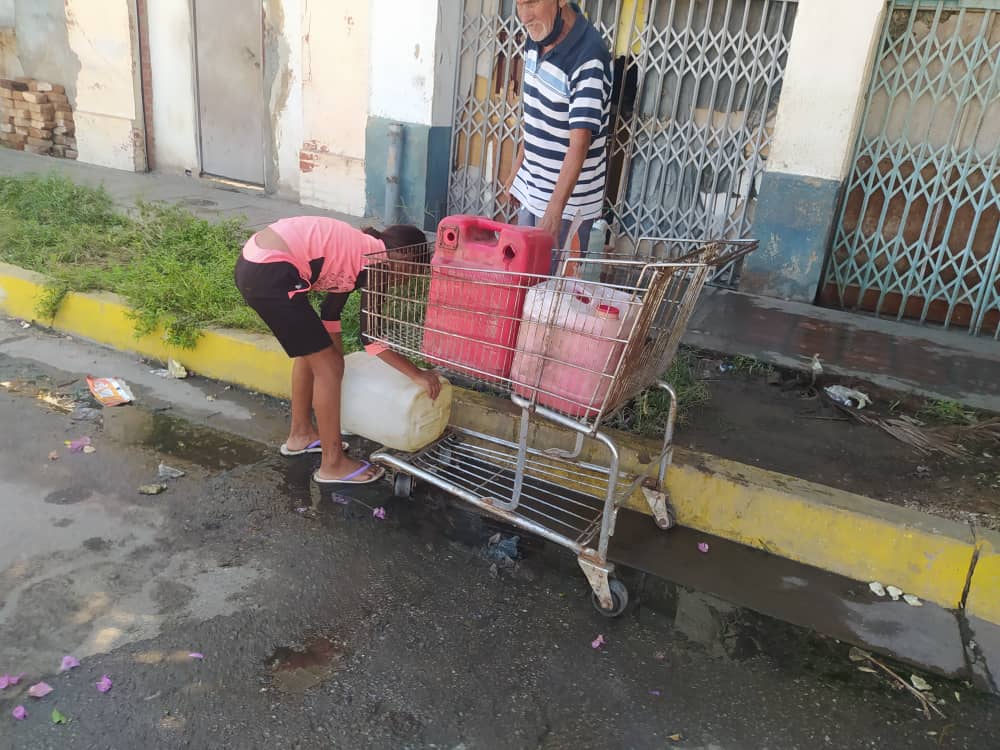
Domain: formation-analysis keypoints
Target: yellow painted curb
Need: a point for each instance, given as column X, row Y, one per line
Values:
column 984, row 588
column 836, row 531
column 251, row 360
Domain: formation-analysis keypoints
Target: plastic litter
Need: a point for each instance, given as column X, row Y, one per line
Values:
column 920, row 683
column 895, row 592
column 152, row 489
column 110, row 391
column 877, row 588
column 176, row 370
column 168, row 472
column 912, row 600
column 502, row 549
column 848, row 396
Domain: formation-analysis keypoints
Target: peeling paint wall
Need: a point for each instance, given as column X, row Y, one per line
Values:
column 816, row 123
column 414, row 57
column 10, row 64
column 335, row 76
column 43, row 43
column 103, row 36
column 175, row 114
column 283, row 46
column 91, row 48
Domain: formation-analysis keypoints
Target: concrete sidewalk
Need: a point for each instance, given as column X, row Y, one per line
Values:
column 209, row 199
column 901, row 356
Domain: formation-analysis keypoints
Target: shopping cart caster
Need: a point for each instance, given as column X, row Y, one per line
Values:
column 402, row 485
column 619, row 593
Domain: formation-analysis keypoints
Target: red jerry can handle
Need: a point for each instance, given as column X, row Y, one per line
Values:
column 473, row 232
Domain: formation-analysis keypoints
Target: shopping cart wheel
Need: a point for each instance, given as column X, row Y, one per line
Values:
column 619, row 595
column 402, row 485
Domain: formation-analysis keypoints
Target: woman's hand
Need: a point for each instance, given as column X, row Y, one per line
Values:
column 430, row 382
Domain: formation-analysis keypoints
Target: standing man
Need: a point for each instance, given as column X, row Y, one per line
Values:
column 561, row 166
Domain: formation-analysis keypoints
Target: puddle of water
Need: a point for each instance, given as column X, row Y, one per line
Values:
column 69, row 496
column 296, row 670
column 181, row 439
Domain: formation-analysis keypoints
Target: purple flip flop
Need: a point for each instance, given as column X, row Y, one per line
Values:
column 313, row 447
column 351, row 478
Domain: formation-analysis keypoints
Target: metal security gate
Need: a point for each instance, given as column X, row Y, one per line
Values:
column 696, row 88
column 919, row 230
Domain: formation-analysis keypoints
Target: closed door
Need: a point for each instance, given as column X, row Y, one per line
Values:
column 230, row 69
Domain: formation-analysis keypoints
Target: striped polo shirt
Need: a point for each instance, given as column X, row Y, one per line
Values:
column 568, row 88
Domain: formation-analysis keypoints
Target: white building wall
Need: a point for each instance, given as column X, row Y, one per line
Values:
column 103, row 37
column 335, row 84
column 826, row 77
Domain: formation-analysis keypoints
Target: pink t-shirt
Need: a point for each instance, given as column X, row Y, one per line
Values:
column 343, row 248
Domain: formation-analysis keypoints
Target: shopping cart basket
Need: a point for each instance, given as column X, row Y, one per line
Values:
column 583, row 351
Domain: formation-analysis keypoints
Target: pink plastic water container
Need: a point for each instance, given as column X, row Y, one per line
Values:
column 480, row 272
column 571, row 339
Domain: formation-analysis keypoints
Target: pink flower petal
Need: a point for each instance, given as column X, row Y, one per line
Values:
column 104, row 684
column 20, row 713
column 598, row 642
column 16, row 679
column 196, row 655
column 703, row 547
column 379, row 513
column 77, row 446
column 68, row 663
column 40, row 690
column 655, row 693
column 4, row 681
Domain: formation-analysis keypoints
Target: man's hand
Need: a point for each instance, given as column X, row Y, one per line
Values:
column 430, row 382
column 552, row 223
column 504, row 197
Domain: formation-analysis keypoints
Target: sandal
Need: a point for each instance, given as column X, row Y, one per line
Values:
column 351, row 478
column 313, row 447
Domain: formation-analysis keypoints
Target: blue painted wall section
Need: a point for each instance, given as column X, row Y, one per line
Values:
column 423, row 183
column 794, row 222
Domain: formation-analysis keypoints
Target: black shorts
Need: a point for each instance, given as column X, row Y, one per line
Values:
column 294, row 322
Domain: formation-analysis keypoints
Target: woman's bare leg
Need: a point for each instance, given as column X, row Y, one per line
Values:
column 327, row 368
column 302, row 432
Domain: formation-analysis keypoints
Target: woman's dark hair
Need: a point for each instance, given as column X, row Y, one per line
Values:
column 411, row 241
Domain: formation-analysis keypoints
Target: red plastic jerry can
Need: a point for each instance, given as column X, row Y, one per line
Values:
column 480, row 272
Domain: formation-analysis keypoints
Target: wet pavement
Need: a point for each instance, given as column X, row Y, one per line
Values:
column 322, row 626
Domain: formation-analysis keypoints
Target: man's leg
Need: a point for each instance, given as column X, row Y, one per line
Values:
column 525, row 218
column 583, row 236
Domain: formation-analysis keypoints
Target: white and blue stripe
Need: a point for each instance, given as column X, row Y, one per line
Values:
column 566, row 89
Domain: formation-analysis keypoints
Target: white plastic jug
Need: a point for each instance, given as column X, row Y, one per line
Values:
column 570, row 343
column 380, row 403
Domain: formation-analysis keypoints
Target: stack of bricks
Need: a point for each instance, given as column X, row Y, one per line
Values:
column 35, row 116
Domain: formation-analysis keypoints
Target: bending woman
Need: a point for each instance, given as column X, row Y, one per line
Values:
column 277, row 268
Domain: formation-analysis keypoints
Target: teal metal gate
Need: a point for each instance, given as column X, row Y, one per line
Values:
column 919, row 229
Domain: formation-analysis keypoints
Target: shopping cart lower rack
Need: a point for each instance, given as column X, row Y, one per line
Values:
column 574, row 354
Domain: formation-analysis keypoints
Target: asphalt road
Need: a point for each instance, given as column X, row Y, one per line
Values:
column 322, row 626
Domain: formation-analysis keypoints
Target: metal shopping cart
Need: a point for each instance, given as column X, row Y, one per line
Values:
column 569, row 353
